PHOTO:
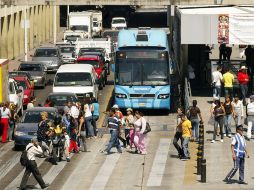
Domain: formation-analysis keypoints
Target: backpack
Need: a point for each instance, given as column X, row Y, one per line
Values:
column 24, row 158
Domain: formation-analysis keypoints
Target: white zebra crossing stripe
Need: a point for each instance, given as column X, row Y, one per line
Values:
column 159, row 163
column 105, row 172
column 6, row 168
column 53, row 172
column 16, row 182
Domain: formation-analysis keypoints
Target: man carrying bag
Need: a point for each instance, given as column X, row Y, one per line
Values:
column 32, row 149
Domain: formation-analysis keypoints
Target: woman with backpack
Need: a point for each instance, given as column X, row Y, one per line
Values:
column 140, row 135
column 218, row 113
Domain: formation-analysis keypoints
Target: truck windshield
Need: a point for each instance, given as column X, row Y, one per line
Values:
column 45, row 53
column 73, row 79
column 118, row 21
column 79, row 27
column 67, row 49
column 143, row 68
column 72, row 38
column 91, row 62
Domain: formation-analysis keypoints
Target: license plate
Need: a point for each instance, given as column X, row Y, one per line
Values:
column 142, row 104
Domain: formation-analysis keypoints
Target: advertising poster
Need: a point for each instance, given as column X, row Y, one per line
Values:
column 223, row 29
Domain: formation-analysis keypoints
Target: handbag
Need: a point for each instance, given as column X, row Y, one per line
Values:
column 148, row 128
column 213, row 84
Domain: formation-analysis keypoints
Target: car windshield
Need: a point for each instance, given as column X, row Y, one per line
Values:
column 143, row 68
column 73, row 79
column 118, row 21
column 22, row 83
column 27, row 67
column 67, row 49
column 61, row 100
column 91, row 62
column 45, row 53
column 16, row 73
column 35, row 117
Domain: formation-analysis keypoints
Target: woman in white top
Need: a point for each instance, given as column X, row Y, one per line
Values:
column 140, row 137
column 129, row 128
column 88, row 118
column 238, row 110
column 5, row 115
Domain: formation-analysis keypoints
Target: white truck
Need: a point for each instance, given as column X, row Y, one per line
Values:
column 71, row 36
column 81, row 21
column 96, row 43
column 97, row 23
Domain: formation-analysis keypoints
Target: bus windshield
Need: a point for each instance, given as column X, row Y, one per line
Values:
column 145, row 69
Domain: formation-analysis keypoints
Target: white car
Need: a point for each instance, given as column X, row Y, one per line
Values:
column 77, row 78
column 118, row 23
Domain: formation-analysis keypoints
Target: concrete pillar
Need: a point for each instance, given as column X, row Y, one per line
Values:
column 184, row 59
column 47, row 22
column 3, row 40
column 35, row 27
column 21, row 34
column 10, row 35
column 43, row 23
column 58, row 18
column 51, row 21
column 31, row 29
column 16, row 34
column 39, row 25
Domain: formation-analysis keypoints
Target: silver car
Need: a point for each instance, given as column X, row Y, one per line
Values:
column 37, row 72
column 68, row 54
column 50, row 56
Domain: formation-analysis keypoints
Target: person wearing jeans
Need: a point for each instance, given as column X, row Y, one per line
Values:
column 217, row 78
column 218, row 113
column 250, row 116
column 229, row 110
column 88, row 118
column 179, row 134
column 228, row 79
column 96, row 114
column 243, row 79
column 186, row 134
column 194, row 115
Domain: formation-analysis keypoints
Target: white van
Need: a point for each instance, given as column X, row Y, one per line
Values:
column 118, row 23
column 77, row 78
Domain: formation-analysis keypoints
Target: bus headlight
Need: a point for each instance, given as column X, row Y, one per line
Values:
column 163, row 96
column 118, row 95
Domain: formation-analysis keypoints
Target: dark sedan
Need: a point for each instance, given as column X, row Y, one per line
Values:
column 60, row 99
column 27, row 128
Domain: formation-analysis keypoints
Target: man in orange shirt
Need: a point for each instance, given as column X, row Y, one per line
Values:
column 186, row 134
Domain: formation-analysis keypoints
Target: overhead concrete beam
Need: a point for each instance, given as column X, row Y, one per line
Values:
column 128, row 2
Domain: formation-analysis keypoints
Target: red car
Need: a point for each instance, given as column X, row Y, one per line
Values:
column 99, row 67
column 28, row 88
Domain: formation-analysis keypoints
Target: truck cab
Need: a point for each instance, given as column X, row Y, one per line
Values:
column 16, row 95
column 99, row 67
column 118, row 23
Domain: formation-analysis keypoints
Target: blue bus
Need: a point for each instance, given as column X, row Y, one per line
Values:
column 142, row 69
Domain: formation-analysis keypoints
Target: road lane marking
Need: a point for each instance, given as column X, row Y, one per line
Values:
column 159, row 164
column 6, row 168
column 15, row 183
column 82, row 169
column 53, row 172
column 5, row 148
column 105, row 172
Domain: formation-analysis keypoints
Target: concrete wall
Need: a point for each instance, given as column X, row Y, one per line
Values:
column 12, row 37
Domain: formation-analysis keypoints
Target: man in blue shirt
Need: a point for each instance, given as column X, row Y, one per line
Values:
column 113, row 125
column 238, row 148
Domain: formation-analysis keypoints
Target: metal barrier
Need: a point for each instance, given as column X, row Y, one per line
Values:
column 201, row 161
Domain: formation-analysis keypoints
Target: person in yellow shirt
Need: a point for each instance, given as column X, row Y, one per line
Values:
column 186, row 134
column 228, row 79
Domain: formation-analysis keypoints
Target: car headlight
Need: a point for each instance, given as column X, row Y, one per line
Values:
column 20, row 133
column 163, row 96
column 119, row 95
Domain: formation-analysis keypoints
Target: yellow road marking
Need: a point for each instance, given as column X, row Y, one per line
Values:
column 190, row 176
